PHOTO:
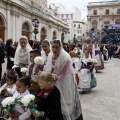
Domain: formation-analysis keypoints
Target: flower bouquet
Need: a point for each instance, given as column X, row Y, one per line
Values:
column 39, row 61
column 94, row 61
column 8, row 105
column 29, row 102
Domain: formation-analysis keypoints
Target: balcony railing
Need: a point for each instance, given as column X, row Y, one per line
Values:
column 26, row 4
column 104, row 3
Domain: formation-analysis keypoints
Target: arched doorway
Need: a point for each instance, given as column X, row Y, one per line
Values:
column 2, row 29
column 54, row 35
column 117, row 21
column 106, row 22
column 43, row 34
column 26, row 30
column 94, row 24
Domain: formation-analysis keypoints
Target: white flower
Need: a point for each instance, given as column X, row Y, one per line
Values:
column 27, row 99
column 8, row 101
column 32, row 97
column 24, row 69
column 8, row 89
column 39, row 61
column 94, row 61
column 14, row 66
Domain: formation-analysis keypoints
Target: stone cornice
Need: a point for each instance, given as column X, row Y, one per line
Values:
column 36, row 12
column 92, row 6
column 112, row 15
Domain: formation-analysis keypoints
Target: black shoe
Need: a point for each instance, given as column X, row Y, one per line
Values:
column 83, row 92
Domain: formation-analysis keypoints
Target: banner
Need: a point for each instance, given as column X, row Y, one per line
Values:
column 112, row 37
column 92, row 35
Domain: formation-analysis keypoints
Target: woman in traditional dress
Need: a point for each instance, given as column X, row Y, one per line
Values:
column 22, row 54
column 60, row 63
column 46, row 49
column 88, row 46
column 87, row 78
column 98, row 56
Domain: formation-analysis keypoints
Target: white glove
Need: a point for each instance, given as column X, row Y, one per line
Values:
column 12, row 59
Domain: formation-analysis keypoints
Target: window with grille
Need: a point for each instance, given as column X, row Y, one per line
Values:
column 118, row 11
column 94, row 25
column 107, row 11
column 95, row 12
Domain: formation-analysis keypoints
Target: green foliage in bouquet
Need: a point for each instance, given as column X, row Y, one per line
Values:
column 8, row 105
column 29, row 101
column 35, row 31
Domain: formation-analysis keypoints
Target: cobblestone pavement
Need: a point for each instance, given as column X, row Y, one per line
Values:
column 103, row 102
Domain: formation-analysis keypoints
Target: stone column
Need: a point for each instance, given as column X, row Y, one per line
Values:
column 18, row 27
column 49, row 37
column 9, row 24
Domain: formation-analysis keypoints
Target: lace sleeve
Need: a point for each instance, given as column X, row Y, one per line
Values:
column 64, row 71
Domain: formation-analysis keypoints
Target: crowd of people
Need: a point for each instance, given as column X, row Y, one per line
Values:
column 63, row 72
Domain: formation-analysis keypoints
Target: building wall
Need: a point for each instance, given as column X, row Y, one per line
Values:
column 80, row 30
column 15, row 15
column 102, row 18
column 69, row 17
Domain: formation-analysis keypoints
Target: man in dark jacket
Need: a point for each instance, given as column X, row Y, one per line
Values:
column 2, row 56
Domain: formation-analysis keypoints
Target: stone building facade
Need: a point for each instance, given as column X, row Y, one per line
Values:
column 101, row 14
column 16, row 20
column 80, row 28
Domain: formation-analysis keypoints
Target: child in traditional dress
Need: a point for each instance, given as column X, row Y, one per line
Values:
column 9, row 88
column 22, row 54
column 75, row 62
column 19, row 111
column 34, row 71
column 49, row 96
column 85, row 73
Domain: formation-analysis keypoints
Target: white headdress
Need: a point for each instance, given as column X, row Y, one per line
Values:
column 28, row 47
column 43, row 52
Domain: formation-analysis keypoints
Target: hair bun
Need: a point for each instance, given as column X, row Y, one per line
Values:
column 55, row 77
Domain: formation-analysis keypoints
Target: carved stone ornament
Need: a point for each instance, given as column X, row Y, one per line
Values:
column 50, row 25
column 89, row 18
column 15, row 13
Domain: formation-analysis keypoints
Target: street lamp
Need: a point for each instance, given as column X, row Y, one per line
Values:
column 35, row 23
column 74, row 39
column 82, row 39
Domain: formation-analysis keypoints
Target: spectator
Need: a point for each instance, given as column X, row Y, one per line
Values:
column 36, row 45
column 2, row 56
column 10, row 54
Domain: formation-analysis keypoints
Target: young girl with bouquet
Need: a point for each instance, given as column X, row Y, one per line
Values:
column 19, row 111
column 9, row 88
column 86, row 73
column 48, row 97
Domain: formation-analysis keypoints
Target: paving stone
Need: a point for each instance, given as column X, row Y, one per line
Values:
column 103, row 102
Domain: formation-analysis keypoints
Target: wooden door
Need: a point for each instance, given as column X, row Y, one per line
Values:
column 27, row 34
column 43, row 37
column 2, row 33
column 54, row 38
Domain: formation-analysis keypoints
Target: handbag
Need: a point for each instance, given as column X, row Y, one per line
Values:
column 93, row 81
